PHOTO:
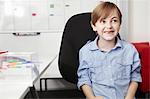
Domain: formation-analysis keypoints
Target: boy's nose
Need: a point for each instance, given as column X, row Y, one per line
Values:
column 108, row 25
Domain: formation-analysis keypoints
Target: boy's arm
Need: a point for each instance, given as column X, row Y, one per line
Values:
column 135, row 76
column 132, row 90
column 89, row 93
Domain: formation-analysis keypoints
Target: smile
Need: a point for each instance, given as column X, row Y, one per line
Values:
column 109, row 32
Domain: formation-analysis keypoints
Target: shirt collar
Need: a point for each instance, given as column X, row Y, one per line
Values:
column 94, row 44
column 95, row 47
column 118, row 44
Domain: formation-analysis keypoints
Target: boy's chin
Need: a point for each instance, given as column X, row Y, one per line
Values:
column 108, row 38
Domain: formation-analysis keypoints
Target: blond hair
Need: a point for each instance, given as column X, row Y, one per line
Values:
column 103, row 10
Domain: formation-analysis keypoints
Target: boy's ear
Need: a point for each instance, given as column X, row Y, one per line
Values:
column 93, row 27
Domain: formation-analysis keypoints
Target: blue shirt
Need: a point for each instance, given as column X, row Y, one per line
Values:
column 109, row 73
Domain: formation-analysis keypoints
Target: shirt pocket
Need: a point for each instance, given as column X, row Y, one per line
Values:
column 123, row 70
column 96, row 73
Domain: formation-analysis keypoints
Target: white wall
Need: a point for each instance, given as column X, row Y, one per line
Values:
column 139, row 20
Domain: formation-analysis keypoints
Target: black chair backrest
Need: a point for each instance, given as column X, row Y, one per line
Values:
column 76, row 33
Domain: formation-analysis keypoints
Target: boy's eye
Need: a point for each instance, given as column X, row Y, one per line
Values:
column 103, row 21
column 114, row 20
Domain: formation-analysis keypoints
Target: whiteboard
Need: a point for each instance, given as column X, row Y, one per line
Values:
column 42, row 15
column 26, row 15
column 6, row 18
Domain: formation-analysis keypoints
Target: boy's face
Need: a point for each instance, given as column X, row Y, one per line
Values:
column 108, row 28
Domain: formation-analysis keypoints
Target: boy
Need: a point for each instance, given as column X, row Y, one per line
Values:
column 109, row 67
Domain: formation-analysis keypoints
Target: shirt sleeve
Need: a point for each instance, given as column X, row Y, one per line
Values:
column 136, row 68
column 83, row 74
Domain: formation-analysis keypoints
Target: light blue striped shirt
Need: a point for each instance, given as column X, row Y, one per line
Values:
column 109, row 73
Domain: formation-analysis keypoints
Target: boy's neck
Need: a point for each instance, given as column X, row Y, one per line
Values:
column 106, row 45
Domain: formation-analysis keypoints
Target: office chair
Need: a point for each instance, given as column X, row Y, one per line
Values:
column 76, row 33
column 144, row 50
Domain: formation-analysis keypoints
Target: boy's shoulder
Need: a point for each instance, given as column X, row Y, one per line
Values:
column 86, row 45
column 88, row 42
column 127, row 44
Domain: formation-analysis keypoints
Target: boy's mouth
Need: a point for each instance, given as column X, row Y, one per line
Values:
column 109, row 32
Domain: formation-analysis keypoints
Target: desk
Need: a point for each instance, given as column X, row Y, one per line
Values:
column 16, row 86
